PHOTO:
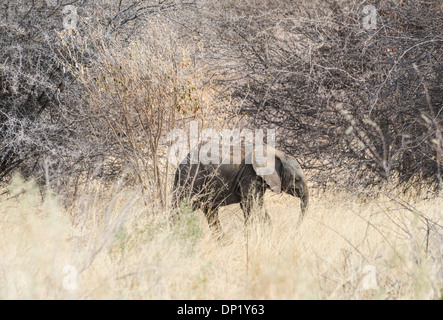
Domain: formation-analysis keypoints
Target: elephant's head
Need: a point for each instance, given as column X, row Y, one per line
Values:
column 287, row 176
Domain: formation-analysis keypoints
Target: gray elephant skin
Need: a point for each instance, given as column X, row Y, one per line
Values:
column 210, row 186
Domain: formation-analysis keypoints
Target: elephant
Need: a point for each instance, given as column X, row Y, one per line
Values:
column 210, row 186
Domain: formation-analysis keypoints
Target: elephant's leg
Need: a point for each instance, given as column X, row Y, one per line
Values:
column 213, row 221
column 247, row 192
column 255, row 202
column 246, row 207
column 261, row 206
column 174, row 211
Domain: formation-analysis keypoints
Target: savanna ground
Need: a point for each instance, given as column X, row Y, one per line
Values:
column 110, row 245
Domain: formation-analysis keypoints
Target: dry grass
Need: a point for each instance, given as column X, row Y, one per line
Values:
column 122, row 248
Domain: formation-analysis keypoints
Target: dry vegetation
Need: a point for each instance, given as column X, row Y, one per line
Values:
column 120, row 249
column 85, row 181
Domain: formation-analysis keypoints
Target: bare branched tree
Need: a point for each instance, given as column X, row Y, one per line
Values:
column 354, row 89
column 50, row 126
column 339, row 85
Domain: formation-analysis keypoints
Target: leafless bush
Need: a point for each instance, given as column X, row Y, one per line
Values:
column 50, row 126
column 345, row 99
column 35, row 110
column 142, row 89
column 358, row 106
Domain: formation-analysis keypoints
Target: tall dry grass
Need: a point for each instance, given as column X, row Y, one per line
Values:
column 111, row 245
column 116, row 242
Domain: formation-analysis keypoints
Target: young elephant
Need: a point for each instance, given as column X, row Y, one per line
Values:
column 210, row 186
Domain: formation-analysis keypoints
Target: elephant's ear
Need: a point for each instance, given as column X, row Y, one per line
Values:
column 269, row 168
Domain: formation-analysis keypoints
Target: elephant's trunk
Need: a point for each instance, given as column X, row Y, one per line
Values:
column 304, row 197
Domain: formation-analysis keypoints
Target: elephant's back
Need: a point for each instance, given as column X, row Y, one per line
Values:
column 215, row 153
